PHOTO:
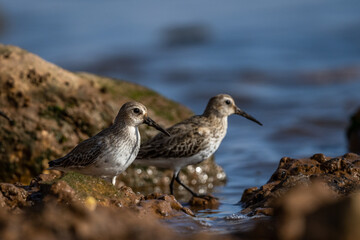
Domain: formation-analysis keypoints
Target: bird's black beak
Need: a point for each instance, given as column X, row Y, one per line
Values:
column 240, row 112
column 153, row 124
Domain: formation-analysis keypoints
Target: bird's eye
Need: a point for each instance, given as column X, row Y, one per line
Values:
column 136, row 110
column 227, row 102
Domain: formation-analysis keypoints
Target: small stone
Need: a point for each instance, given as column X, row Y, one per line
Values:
column 204, row 202
column 319, row 157
column 90, row 203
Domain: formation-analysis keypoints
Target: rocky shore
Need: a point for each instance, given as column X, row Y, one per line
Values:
column 46, row 110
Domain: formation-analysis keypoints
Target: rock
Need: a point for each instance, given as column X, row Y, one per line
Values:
column 171, row 205
column 337, row 220
column 74, row 187
column 54, row 109
column 85, row 207
column 63, row 191
column 7, row 118
column 310, row 212
column 291, row 209
column 341, row 175
column 12, row 197
column 205, row 202
column 53, row 221
column 77, row 189
column 353, row 133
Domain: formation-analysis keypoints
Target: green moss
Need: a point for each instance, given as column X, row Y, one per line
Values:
column 166, row 112
column 54, row 111
column 137, row 94
column 85, row 186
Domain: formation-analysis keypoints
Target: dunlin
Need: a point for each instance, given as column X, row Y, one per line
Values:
column 112, row 150
column 192, row 140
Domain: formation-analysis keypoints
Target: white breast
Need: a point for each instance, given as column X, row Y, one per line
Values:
column 121, row 154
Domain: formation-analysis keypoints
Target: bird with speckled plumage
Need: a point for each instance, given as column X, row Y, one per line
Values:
column 192, row 140
column 112, row 150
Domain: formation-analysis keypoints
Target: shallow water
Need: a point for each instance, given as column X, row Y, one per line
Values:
column 292, row 65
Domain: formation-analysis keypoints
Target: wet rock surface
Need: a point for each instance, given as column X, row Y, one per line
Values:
column 52, row 110
column 204, row 202
column 340, row 174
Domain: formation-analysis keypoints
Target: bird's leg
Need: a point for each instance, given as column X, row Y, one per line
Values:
column 113, row 181
column 172, row 183
column 186, row 187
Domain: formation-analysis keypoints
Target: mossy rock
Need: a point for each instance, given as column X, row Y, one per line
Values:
column 54, row 109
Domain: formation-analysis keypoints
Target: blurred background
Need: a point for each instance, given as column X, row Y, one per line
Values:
column 294, row 65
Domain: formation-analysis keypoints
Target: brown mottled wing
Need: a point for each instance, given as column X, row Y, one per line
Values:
column 184, row 141
column 82, row 155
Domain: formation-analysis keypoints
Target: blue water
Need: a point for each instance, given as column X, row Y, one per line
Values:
column 295, row 66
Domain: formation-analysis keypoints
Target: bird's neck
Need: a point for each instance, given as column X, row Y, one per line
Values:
column 122, row 126
column 216, row 119
column 213, row 114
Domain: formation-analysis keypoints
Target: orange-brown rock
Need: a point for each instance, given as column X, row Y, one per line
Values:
column 13, row 197
column 60, row 210
column 204, row 202
column 54, row 221
column 163, row 205
column 73, row 189
column 314, row 212
column 341, row 175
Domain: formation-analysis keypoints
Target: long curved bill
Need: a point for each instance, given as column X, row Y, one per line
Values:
column 240, row 112
column 153, row 124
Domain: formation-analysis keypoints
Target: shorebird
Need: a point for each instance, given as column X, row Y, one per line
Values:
column 112, row 150
column 192, row 140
